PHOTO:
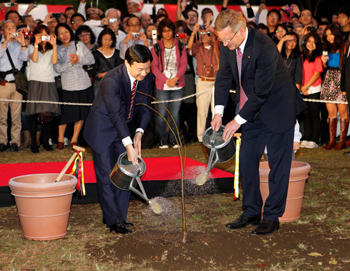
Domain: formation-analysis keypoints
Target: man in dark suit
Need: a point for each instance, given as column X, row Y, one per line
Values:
column 268, row 105
column 345, row 76
column 107, row 129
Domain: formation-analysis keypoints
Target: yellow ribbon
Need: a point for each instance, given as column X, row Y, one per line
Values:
column 81, row 179
column 236, row 180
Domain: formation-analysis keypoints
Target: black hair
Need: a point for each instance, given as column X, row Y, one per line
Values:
column 155, row 19
column 107, row 31
column 165, row 12
column 263, row 27
column 180, row 23
column 38, row 30
column 252, row 24
column 85, row 28
column 345, row 11
column 12, row 11
column 165, row 23
column 77, row 15
column 66, row 26
column 131, row 17
column 275, row 11
column 315, row 53
column 195, row 11
column 338, row 39
column 69, row 8
column 295, row 52
column 138, row 53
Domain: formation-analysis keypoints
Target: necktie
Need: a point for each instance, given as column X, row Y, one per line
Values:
column 242, row 96
column 133, row 92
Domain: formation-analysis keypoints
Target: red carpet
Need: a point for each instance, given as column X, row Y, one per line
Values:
column 157, row 169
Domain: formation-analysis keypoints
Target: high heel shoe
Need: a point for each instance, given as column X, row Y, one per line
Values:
column 60, row 146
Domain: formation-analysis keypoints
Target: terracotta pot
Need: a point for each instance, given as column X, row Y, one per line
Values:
column 43, row 205
column 298, row 175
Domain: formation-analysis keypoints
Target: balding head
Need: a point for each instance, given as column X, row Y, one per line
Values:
column 145, row 20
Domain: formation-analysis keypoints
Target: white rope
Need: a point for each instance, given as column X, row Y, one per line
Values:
column 324, row 101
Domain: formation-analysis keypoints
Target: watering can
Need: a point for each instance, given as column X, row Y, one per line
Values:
column 126, row 176
column 220, row 151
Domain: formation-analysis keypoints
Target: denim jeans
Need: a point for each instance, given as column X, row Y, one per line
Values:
column 173, row 107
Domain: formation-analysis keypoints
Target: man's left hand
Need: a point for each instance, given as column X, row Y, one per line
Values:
column 137, row 143
column 230, row 129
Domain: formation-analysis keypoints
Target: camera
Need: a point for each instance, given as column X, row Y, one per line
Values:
column 45, row 38
column 136, row 35
column 154, row 34
column 113, row 20
column 311, row 28
column 289, row 8
column 56, row 15
column 15, row 35
column 8, row 5
column 202, row 27
column 325, row 53
column 26, row 34
column 182, row 36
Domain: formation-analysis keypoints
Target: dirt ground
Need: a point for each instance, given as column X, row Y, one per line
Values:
column 319, row 240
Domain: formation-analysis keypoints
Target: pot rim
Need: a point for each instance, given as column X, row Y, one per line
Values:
column 13, row 181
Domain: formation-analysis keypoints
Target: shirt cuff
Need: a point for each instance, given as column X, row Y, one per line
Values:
column 140, row 130
column 126, row 141
column 219, row 109
column 240, row 120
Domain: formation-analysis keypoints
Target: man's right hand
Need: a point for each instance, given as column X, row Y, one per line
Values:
column 216, row 122
column 132, row 154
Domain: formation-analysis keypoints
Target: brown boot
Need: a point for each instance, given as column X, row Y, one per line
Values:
column 344, row 125
column 332, row 127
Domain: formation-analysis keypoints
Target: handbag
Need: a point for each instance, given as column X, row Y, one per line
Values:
column 20, row 79
column 45, row 117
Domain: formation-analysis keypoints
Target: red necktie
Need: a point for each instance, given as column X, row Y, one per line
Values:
column 242, row 96
column 133, row 92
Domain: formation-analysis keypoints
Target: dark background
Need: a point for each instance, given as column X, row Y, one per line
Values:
column 320, row 8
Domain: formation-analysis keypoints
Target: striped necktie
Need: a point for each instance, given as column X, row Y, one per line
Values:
column 133, row 92
column 242, row 96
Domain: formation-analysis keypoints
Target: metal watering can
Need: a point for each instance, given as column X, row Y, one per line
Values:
column 219, row 150
column 126, row 176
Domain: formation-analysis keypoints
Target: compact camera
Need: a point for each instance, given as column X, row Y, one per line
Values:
column 45, row 38
column 154, row 34
column 56, row 15
column 26, row 34
column 15, row 35
column 136, row 35
column 202, row 27
column 8, row 5
column 325, row 53
column 113, row 20
column 182, row 36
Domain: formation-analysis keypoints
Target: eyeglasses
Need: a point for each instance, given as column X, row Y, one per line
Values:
column 76, row 21
column 281, row 31
column 83, row 35
column 229, row 40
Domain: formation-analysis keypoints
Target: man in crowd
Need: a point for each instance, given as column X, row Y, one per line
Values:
column 344, row 22
column 272, row 19
column 145, row 21
column 306, row 17
column 13, row 16
column 14, row 44
column 132, row 9
column 269, row 103
column 108, row 129
column 77, row 20
column 345, row 77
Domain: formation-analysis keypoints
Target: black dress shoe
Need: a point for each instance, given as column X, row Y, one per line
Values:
column 3, row 147
column 119, row 228
column 14, row 147
column 127, row 224
column 243, row 221
column 266, row 227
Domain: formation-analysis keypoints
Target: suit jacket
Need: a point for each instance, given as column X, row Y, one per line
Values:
column 271, row 93
column 345, row 74
column 107, row 119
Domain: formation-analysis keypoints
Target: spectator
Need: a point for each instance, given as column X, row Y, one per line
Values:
column 69, row 11
column 77, row 20
column 151, row 41
column 29, row 21
column 181, row 31
column 298, row 29
column 169, row 66
column 134, row 36
column 331, row 91
column 51, row 23
column 280, row 32
column 145, row 21
column 321, row 27
column 86, row 36
column 294, row 20
column 17, row 49
column 263, row 28
column 345, row 77
column 106, row 56
column 311, row 88
column 291, row 56
column 335, row 18
column 76, row 84
column 63, row 19
column 41, row 85
column 344, row 22
column 306, row 17
column 207, row 54
column 207, row 16
column 159, row 18
column 159, row 11
column 125, row 23
column 272, row 19
column 13, row 16
column 133, row 9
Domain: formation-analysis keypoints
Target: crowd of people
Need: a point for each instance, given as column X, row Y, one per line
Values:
column 66, row 56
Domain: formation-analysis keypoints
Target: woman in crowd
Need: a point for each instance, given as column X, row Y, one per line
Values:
column 181, row 30
column 290, row 53
column 311, row 88
column 86, row 36
column 41, row 85
column 106, row 56
column 281, row 30
column 151, row 40
column 169, row 66
column 76, row 83
column 331, row 91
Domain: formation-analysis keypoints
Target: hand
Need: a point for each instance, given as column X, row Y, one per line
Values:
column 114, row 26
column 128, row 37
column 216, row 122
column 296, row 9
column 132, row 154
column 29, row 8
column 324, row 59
column 38, row 39
column 105, row 21
column 137, row 143
column 172, row 82
column 143, row 38
column 20, row 38
column 210, row 29
column 304, row 90
column 296, row 146
column 230, row 129
column 196, row 28
column 52, row 40
column 73, row 59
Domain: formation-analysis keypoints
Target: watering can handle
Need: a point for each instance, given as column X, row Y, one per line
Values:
column 212, row 139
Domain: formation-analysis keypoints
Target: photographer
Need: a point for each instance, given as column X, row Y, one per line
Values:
column 17, row 48
column 134, row 36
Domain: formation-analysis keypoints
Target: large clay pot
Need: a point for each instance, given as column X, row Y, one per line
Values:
column 298, row 174
column 43, row 205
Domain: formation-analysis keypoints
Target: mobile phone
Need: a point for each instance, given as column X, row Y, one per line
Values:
column 136, row 35
column 8, row 5
column 45, row 38
column 113, row 20
column 202, row 27
column 182, row 36
column 154, row 34
column 311, row 28
column 15, row 35
column 56, row 15
column 325, row 53
column 288, row 8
